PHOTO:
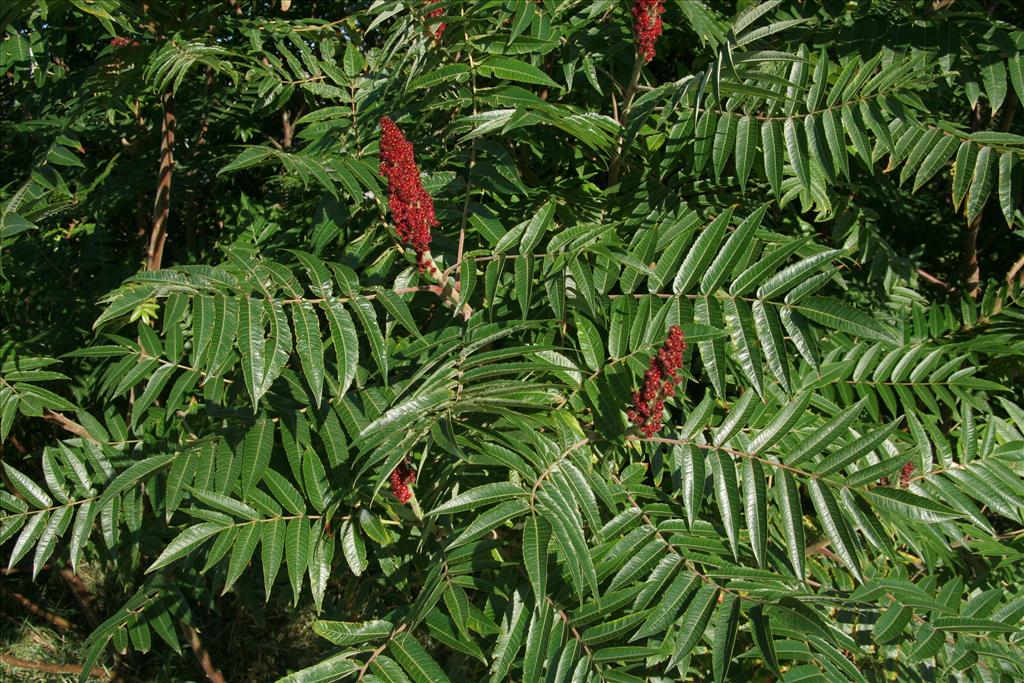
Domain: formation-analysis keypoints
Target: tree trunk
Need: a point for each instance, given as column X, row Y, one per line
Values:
column 972, row 271
column 162, row 204
column 287, row 129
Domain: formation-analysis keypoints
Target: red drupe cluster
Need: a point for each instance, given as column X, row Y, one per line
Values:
column 905, row 473
column 412, row 209
column 660, row 382
column 647, row 24
column 121, row 41
column 439, row 29
column 401, row 477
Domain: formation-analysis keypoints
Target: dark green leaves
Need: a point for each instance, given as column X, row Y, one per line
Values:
column 558, row 507
column 511, row 69
column 415, row 660
column 838, row 315
column 536, row 536
column 185, row 543
column 772, row 144
column 791, row 519
column 490, row 520
column 694, row 621
column 909, row 505
column 259, row 441
column 797, row 150
column 728, row 497
column 353, row 547
column 725, row 635
column 756, row 508
column 345, row 340
column 27, row 488
column 353, row 633
column 368, row 320
column 253, row 398
column 691, row 462
column 982, row 180
column 746, row 147
column 701, row 253
column 310, row 347
column 731, row 251
column 835, row 526
column 272, row 552
column 296, row 550
column 479, row 497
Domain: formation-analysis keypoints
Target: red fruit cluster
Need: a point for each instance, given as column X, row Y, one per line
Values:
column 121, row 41
column 439, row 29
column 647, row 24
column 905, row 473
column 401, row 477
column 660, row 382
column 412, row 209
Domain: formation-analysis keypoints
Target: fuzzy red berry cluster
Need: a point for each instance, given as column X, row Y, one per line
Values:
column 660, row 382
column 401, row 477
column 412, row 209
column 647, row 25
column 905, row 473
column 121, row 41
column 439, row 29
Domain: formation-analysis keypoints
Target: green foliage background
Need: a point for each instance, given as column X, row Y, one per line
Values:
column 825, row 196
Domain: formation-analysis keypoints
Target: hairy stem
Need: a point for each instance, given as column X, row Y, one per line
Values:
column 448, row 291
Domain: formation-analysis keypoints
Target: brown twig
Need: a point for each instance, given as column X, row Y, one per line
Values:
column 69, row 425
column 820, row 546
column 936, row 281
column 376, row 653
column 14, row 571
column 54, row 669
column 1016, row 270
column 196, row 643
column 568, row 623
column 41, row 612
